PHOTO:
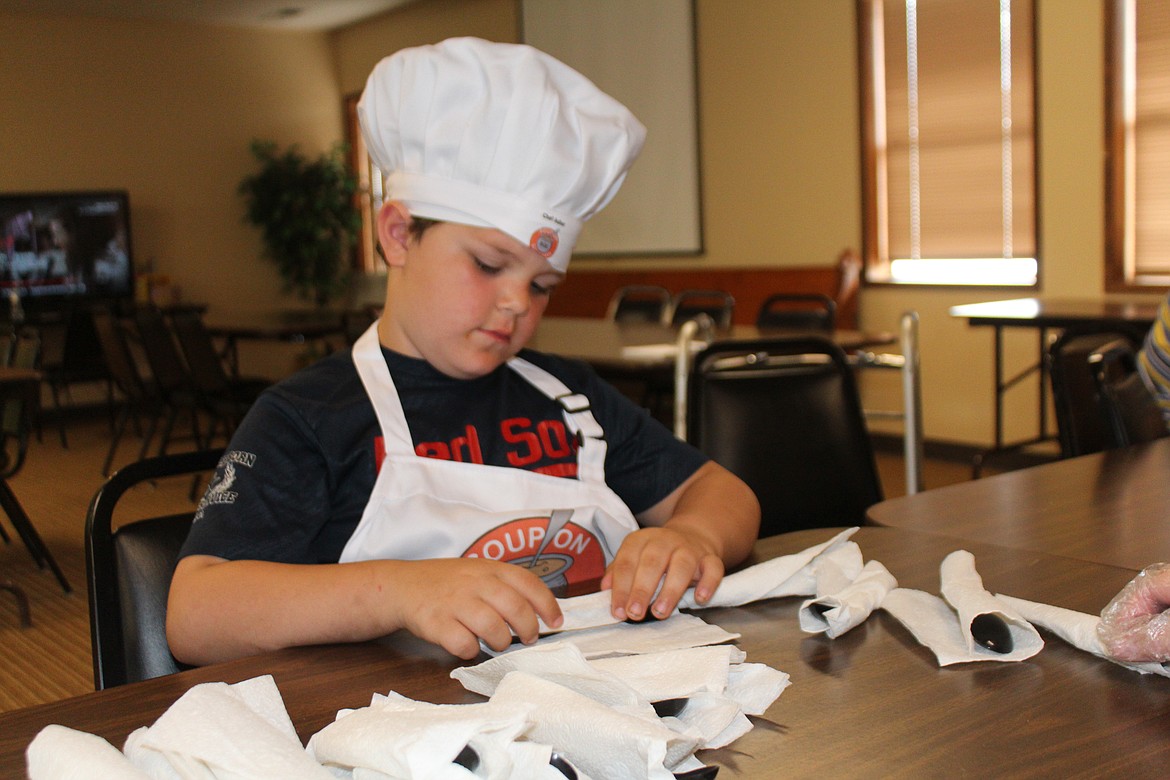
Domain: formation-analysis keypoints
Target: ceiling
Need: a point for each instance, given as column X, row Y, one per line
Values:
column 271, row 14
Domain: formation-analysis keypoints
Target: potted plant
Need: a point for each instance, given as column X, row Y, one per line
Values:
column 307, row 211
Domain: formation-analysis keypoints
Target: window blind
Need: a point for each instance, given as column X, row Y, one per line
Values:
column 952, row 143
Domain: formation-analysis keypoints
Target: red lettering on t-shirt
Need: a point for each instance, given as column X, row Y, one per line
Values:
column 517, row 430
column 553, row 438
column 464, row 449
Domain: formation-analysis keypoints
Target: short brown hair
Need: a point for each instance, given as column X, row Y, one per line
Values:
column 420, row 225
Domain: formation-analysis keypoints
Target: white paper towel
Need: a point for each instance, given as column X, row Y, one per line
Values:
column 216, row 730
column 605, row 742
column 837, row 611
column 61, row 753
column 402, row 738
column 1076, row 628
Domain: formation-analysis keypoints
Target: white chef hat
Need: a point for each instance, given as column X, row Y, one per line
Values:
column 497, row 135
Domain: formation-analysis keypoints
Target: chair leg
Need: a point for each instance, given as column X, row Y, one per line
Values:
column 32, row 540
column 21, row 602
column 4, row 535
column 60, row 418
column 119, row 427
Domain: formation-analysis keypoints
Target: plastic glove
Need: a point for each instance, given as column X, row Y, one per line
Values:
column 1135, row 625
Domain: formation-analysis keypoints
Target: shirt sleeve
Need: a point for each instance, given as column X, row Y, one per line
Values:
column 1154, row 359
column 269, row 497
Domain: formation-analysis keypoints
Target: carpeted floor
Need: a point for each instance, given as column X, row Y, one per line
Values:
column 51, row 659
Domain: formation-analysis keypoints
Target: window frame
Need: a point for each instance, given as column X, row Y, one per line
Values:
column 366, row 257
column 875, row 238
column 1121, row 273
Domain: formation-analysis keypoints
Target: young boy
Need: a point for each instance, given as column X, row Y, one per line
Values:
column 398, row 486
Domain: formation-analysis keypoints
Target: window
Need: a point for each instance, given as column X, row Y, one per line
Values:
column 1138, row 121
column 949, row 142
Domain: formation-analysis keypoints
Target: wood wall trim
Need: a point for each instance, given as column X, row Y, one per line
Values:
column 587, row 293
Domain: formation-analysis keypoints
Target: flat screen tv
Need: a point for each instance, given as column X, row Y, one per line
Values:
column 57, row 247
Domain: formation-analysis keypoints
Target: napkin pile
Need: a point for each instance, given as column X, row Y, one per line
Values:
column 214, row 730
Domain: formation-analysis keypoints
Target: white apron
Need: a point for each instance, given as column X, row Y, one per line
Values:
column 566, row 530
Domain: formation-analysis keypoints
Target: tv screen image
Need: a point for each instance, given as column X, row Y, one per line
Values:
column 66, row 245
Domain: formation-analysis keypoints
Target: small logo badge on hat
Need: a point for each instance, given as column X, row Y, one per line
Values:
column 544, row 240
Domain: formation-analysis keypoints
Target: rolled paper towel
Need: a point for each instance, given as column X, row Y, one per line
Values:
column 985, row 622
column 1076, row 628
column 61, row 753
column 787, row 575
column 400, row 737
column 836, row 613
column 605, row 742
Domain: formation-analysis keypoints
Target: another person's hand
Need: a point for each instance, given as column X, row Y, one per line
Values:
column 1135, row 625
column 676, row 557
column 456, row 602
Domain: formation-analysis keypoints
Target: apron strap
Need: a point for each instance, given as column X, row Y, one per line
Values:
column 578, row 416
column 375, row 376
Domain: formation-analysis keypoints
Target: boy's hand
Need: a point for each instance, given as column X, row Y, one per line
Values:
column 455, row 602
column 676, row 557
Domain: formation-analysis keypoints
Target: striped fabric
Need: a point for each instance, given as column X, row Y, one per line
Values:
column 1154, row 359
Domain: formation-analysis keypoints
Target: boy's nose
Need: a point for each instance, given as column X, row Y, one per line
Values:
column 514, row 298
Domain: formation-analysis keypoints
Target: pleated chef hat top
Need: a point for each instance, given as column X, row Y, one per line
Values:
column 497, row 135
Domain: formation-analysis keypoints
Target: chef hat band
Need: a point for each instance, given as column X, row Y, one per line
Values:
column 469, row 204
column 497, row 135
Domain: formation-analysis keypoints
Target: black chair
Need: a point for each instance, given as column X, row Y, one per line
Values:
column 139, row 398
column 784, row 415
column 1130, row 411
column 1080, row 428
column 19, row 403
column 224, row 397
column 716, row 304
column 129, row 570
column 639, row 303
column 171, row 378
column 798, row 311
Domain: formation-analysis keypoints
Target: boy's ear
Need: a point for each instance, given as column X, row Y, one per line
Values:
column 393, row 232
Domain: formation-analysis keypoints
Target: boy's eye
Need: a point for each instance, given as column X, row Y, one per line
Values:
column 487, row 269
column 541, row 289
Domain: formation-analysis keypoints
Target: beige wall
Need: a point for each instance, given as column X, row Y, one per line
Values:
column 167, row 111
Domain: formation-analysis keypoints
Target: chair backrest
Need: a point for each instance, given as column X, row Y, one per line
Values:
column 1130, row 411
column 129, row 571
column 784, row 415
column 717, row 304
column 18, row 405
column 158, row 343
column 1079, row 425
column 203, row 360
column 639, row 303
column 798, row 311
column 120, row 364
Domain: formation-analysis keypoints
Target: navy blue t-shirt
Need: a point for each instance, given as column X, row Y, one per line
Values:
column 301, row 466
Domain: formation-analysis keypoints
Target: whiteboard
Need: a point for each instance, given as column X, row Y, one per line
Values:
column 642, row 52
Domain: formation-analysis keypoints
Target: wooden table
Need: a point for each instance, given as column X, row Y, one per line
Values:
column 871, row 703
column 1110, row 507
column 1044, row 315
column 293, row 327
